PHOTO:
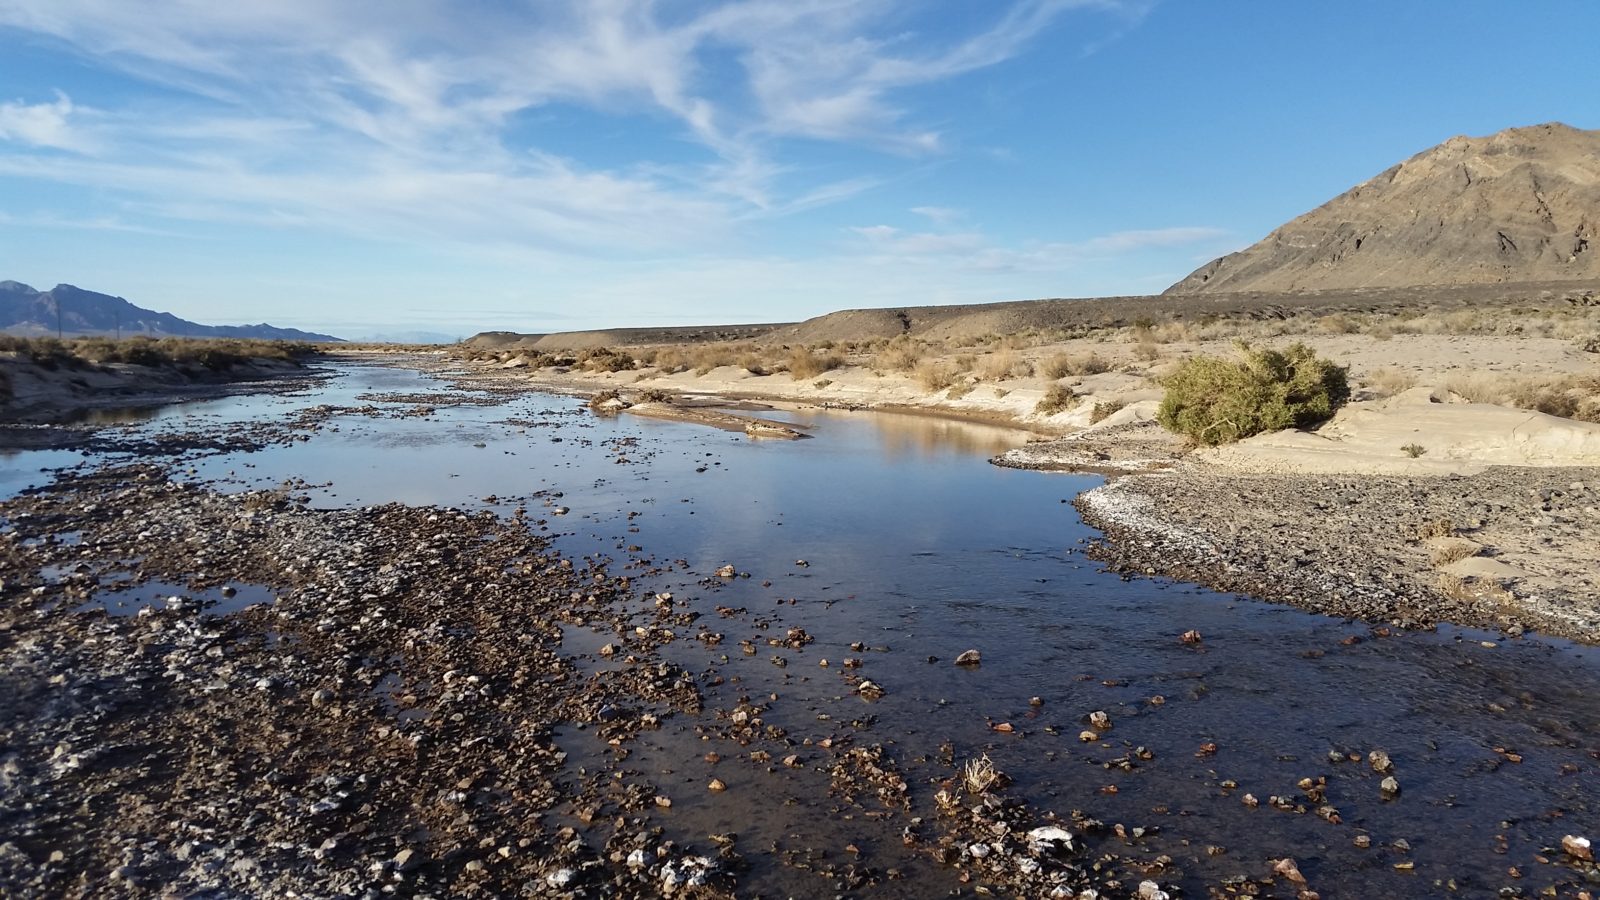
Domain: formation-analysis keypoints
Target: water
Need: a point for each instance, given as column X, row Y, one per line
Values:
column 914, row 546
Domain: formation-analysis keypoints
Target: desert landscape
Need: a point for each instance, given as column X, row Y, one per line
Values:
column 1275, row 579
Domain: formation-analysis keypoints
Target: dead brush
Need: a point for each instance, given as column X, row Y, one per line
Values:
column 1455, row 551
column 980, row 775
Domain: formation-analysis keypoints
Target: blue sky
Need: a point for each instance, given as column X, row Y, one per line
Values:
column 365, row 168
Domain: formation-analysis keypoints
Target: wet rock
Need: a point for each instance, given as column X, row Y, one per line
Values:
column 969, row 658
column 1389, row 787
column 1381, row 763
column 1578, row 847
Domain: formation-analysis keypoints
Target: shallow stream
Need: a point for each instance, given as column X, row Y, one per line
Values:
column 894, row 532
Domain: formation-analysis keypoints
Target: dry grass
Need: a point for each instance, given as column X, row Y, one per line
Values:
column 805, row 363
column 1061, row 365
column 1567, row 396
column 1387, row 382
column 979, row 775
column 900, row 355
column 215, row 354
column 934, row 375
column 1104, row 409
column 1003, row 364
column 705, row 358
column 1058, row 398
column 1443, row 556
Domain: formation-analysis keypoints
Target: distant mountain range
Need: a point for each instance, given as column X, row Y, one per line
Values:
column 1522, row 205
column 77, row 312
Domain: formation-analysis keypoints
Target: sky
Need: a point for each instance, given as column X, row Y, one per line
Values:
column 419, row 165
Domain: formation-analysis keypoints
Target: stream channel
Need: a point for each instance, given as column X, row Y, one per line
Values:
column 892, row 532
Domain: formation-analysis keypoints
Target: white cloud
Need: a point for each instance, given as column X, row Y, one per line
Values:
column 41, row 124
column 973, row 250
column 938, row 214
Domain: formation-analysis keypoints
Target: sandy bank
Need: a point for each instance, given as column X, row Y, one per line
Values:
column 35, row 393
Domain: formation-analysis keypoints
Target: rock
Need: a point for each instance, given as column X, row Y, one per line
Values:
column 1191, row 637
column 1049, row 840
column 408, row 860
column 1578, row 847
column 870, row 690
column 717, row 785
column 1381, row 763
column 1286, row 868
column 322, row 698
column 1099, row 719
column 727, row 571
column 1389, row 787
column 969, row 658
column 560, row 878
column 1149, row 890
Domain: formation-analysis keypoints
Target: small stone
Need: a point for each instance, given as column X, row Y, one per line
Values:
column 727, row 571
column 1578, row 847
column 969, row 658
column 1390, row 787
column 717, row 785
column 1191, row 637
column 1286, row 867
column 1099, row 719
column 1381, row 763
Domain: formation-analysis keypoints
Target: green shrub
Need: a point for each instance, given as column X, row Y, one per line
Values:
column 1214, row 401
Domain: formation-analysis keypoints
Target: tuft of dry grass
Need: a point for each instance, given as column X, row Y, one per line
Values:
column 1058, row 398
column 1003, row 364
column 979, row 775
column 805, row 363
column 1567, row 396
column 1063, row 364
column 934, row 375
column 900, row 355
column 1454, row 551
column 1387, row 382
column 1104, row 409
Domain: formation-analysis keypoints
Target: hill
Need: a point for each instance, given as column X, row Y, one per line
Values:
column 77, row 312
column 1522, row 205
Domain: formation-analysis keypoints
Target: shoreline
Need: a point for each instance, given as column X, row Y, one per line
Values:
column 1166, row 512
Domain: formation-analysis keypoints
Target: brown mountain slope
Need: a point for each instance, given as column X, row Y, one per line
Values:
column 1522, row 205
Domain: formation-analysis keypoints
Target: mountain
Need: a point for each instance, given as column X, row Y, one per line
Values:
column 1522, row 205
column 78, row 312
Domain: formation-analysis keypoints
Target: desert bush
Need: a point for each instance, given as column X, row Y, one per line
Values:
column 1003, row 364
column 1566, row 396
column 805, row 363
column 1414, row 450
column 655, row 395
column 605, row 359
column 753, row 363
column 712, row 356
column 1059, row 397
column 1062, row 364
column 1214, row 401
column 957, row 391
column 1103, row 409
column 900, row 355
column 934, row 376
column 1388, row 382
column 671, row 360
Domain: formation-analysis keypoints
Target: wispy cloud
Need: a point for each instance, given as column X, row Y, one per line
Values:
column 405, row 117
column 973, row 250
